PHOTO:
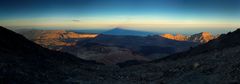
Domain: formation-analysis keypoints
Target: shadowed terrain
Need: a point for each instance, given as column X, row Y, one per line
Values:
column 111, row 47
column 22, row 61
column 216, row 62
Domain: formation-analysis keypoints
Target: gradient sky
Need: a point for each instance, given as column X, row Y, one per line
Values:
column 152, row 15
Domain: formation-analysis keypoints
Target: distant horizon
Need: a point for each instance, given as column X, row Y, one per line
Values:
column 184, row 31
column 176, row 16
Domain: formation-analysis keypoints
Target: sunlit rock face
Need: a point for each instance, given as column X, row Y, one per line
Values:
column 73, row 35
column 178, row 37
column 56, row 37
column 202, row 37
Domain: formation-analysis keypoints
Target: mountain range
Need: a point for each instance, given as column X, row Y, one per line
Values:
column 107, row 48
column 53, row 38
column 202, row 37
column 117, row 45
column 24, row 62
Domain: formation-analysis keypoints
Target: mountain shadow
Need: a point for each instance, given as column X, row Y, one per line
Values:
column 126, row 32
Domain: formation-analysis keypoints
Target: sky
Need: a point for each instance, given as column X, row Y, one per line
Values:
column 150, row 15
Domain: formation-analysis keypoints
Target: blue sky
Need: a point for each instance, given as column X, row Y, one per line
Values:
column 155, row 15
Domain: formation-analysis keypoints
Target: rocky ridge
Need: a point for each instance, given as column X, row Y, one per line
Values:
column 202, row 37
column 50, row 38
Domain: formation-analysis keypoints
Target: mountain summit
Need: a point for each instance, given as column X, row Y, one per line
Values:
column 126, row 32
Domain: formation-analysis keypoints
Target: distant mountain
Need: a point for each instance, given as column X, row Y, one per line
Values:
column 202, row 37
column 55, row 34
column 126, row 32
column 55, row 38
column 178, row 37
column 24, row 62
column 224, row 41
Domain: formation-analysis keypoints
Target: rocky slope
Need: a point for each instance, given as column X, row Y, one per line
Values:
column 202, row 37
column 216, row 62
column 23, row 62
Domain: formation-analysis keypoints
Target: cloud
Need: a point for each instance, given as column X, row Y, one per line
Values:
column 76, row 20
